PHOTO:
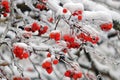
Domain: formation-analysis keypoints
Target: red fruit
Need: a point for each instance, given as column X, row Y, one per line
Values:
column 65, row 50
column 65, row 10
column 5, row 3
column 81, row 36
column 79, row 12
column 27, row 28
column 95, row 40
column 106, row 26
column 50, row 19
column 79, row 74
column 5, row 14
column 49, row 70
column 55, row 61
column 48, row 55
column 67, row 73
column 39, row 6
column 46, row 64
column 55, row 36
column 35, row 27
column 7, row 10
column 80, row 17
column 19, row 52
column 68, row 38
column 45, row 28
column 52, row 35
column 74, row 14
column 75, row 76
column 25, row 55
column 75, row 45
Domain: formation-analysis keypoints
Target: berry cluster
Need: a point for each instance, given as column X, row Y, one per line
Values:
column 78, row 13
column 40, row 6
column 106, row 26
column 47, row 65
column 36, row 27
column 71, row 41
column 73, row 74
column 5, row 7
column 20, row 52
column 20, row 78
column 88, row 38
column 55, row 35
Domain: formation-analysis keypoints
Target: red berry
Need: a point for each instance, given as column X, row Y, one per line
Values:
column 79, row 74
column 39, row 6
column 106, row 26
column 74, row 14
column 50, row 19
column 35, row 27
column 48, row 55
column 45, row 28
column 65, row 50
column 7, row 10
column 46, row 64
column 55, row 61
column 65, row 10
column 49, row 70
column 52, row 35
column 25, row 55
column 19, row 52
column 95, row 40
column 5, row 3
column 75, row 76
column 79, row 12
column 55, row 36
column 5, row 14
column 68, row 38
column 67, row 73
column 27, row 28
column 80, row 17
column 75, row 45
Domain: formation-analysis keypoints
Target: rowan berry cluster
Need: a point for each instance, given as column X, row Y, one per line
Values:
column 20, row 52
column 36, row 27
column 5, row 7
column 78, row 13
column 71, row 41
column 47, row 64
column 106, row 26
column 73, row 74
column 40, row 6
column 88, row 38
column 55, row 35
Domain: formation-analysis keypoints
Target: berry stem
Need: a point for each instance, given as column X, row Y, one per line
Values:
column 39, row 76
